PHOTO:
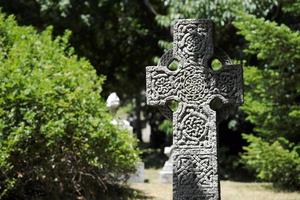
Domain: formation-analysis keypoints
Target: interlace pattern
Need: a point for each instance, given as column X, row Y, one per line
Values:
column 196, row 86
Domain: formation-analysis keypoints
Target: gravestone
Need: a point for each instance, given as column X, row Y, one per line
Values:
column 205, row 97
column 113, row 103
column 166, row 173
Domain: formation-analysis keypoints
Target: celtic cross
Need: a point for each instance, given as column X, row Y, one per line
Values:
column 205, row 97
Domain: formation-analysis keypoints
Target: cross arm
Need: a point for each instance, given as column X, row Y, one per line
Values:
column 161, row 85
column 228, row 88
column 229, row 84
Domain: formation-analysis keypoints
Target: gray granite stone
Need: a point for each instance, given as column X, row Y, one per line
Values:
column 205, row 97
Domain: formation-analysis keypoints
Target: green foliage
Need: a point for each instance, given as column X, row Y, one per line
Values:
column 273, row 87
column 166, row 126
column 272, row 100
column 118, row 37
column 274, row 162
column 221, row 12
column 56, row 139
column 291, row 6
column 113, row 34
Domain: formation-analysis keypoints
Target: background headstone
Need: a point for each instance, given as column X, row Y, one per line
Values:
column 113, row 103
column 166, row 174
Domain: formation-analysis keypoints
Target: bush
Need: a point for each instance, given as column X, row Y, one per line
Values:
column 56, row 139
column 273, row 162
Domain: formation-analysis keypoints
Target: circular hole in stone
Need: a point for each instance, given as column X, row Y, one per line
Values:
column 216, row 104
column 173, row 105
column 174, row 65
column 216, row 64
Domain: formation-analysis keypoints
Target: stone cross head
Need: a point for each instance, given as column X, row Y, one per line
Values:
column 204, row 97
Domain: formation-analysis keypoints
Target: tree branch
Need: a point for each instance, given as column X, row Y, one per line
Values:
column 150, row 7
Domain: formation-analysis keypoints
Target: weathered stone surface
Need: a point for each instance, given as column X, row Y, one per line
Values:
column 200, row 91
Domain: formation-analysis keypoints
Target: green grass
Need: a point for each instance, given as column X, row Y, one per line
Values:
column 230, row 190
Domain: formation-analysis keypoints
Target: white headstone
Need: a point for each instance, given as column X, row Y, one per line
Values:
column 113, row 103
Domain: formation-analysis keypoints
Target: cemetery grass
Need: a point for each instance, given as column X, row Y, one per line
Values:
column 230, row 190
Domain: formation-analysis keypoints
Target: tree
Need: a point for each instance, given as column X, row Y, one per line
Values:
column 118, row 37
column 56, row 136
column 273, row 85
column 272, row 100
column 221, row 12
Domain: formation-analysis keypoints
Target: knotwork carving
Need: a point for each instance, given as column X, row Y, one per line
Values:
column 192, row 129
column 194, row 84
column 195, row 173
column 191, row 40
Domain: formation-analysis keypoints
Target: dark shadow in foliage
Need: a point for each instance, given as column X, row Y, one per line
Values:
column 230, row 147
column 113, row 192
column 124, row 193
column 153, row 158
column 230, row 167
column 277, row 188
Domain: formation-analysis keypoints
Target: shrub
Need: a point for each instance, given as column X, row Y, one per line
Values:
column 273, row 162
column 56, row 139
column 272, row 90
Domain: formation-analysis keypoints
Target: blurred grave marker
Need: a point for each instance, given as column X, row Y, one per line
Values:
column 113, row 103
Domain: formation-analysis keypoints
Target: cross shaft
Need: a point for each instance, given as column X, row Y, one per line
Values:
column 195, row 85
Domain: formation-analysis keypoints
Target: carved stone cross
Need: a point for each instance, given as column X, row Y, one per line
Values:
column 205, row 97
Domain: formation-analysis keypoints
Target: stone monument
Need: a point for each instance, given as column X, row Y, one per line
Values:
column 166, row 173
column 113, row 103
column 205, row 96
